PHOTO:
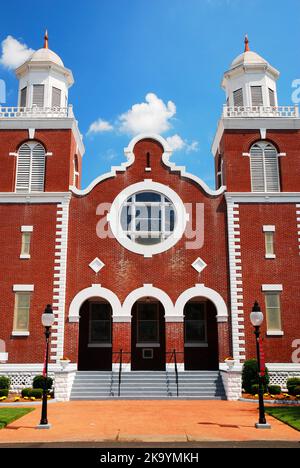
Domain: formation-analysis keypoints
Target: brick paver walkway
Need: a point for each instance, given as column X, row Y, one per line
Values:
column 148, row 421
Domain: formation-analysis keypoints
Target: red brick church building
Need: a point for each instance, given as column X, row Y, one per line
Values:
column 148, row 269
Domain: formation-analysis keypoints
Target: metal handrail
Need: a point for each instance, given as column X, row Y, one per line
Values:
column 174, row 355
column 120, row 372
column 176, row 373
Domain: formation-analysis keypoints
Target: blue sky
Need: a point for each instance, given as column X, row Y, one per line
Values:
column 122, row 50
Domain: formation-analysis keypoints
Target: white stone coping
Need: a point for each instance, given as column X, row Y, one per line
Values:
column 272, row 287
column 23, row 287
column 26, row 228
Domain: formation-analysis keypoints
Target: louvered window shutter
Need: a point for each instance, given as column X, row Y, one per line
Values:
column 23, row 97
column 23, row 169
column 38, row 96
column 272, row 97
column 257, row 96
column 56, row 97
column 257, row 169
column 271, row 169
column 30, row 168
column 238, row 98
column 38, row 169
column 264, row 168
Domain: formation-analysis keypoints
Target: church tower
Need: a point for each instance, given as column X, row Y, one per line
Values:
column 256, row 150
column 41, row 144
column 40, row 159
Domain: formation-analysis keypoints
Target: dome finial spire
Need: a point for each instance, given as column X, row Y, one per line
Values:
column 247, row 48
column 46, row 40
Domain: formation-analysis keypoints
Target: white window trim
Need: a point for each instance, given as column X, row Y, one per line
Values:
column 25, row 256
column 269, row 228
column 20, row 333
column 114, row 218
column 23, row 288
column 272, row 287
column 26, row 228
column 275, row 333
column 270, row 256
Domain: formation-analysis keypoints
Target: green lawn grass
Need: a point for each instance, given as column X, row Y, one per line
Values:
column 8, row 415
column 288, row 414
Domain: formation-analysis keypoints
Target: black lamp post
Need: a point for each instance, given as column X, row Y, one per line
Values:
column 47, row 321
column 257, row 319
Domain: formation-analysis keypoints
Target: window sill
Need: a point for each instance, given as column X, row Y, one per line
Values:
column 16, row 333
column 196, row 345
column 25, row 257
column 99, row 345
column 270, row 256
column 275, row 333
column 148, row 169
column 148, row 345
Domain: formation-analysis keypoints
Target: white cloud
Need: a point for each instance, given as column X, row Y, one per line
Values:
column 177, row 143
column 152, row 116
column 14, row 53
column 100, row 126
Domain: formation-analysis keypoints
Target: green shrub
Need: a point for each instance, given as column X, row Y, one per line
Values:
column 3, row 392
column 297, row 390
column 274, row 389
column 255, row 389
column 26, row 392
column 4, row 383
column 292, row 384
column 32, row 392
column 39, row 382
column 250, row 376
column 36, row 393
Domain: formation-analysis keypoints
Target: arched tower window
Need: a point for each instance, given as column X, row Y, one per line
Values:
column 30, row 175
column 264, row 168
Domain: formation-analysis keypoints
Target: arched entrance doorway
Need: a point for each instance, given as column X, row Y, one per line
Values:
column 200, row 335
column 95, row 335
column 148, row 347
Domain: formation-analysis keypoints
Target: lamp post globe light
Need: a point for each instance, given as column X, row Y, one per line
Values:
column 257, row 318
column 47, row 322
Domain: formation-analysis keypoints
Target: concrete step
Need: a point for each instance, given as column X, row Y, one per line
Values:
column 93, row 385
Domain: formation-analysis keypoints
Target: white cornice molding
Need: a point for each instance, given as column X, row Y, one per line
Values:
column 46, row 123
column 252, row 123
column 165, row 158
column 250, row 197
column 31, row 198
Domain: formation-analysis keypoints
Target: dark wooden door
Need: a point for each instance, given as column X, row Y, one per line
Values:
column 201, row 336
column 148, row 337
column 95, row 337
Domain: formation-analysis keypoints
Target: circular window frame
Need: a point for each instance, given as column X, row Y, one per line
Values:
column 148, row 251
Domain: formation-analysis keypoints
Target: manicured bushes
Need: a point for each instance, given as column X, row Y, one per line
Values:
column 25, row 392
column 3, row 392
column 250, row 376
column 4, row 383
column 292, row 385
column 297, row 390
column 39, row 382
column 32, row 393
column 274, row 389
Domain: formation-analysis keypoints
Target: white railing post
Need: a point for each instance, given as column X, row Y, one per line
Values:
column 288, row 112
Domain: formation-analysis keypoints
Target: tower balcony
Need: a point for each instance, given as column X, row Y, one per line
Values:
column 261, row 111
column 36, row 112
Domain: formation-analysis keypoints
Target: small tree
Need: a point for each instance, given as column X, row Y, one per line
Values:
column 250, row 376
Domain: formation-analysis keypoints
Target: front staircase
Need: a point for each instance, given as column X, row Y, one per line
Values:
column 197, row 385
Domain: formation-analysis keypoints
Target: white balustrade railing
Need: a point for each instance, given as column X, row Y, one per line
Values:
column 36, row 112
column 260, row 111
